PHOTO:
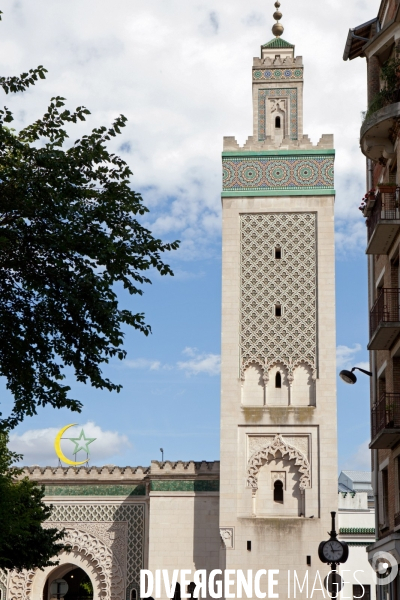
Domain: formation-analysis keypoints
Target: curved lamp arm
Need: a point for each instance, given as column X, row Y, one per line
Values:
column 362, row 371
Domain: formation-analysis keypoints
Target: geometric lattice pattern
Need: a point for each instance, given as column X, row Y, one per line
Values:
column 290, row 282
column 133, row 514
column 259, row 173
column 290, row 93
column 271, row 74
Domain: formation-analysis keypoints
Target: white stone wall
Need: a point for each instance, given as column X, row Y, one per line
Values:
column 355, row 514
column 279, row 541
column 184, row 531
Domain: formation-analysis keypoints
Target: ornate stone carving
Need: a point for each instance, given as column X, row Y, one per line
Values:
column 113, row 535
column 286, row 450
column 110, row 580
column 133, row 514
column 257, row 442
column 20, row 585
column 278, row 476
column 227, row 536
column 290, row 282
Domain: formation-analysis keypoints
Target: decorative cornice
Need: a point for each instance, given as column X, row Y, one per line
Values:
column 357, row 530
column 124, row 490
column 271, row 173
column 185, row 485
column 359, row 543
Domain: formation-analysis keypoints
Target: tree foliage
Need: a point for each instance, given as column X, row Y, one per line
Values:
column 24, row 544
column 390, row 78
column 69, row 233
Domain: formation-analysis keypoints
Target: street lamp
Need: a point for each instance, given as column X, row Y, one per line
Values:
column 349, row 377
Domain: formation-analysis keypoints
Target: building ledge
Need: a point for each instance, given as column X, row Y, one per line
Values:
column 384, row 336
column 385, row 439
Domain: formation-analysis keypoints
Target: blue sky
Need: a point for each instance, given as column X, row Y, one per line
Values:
column 180, row 72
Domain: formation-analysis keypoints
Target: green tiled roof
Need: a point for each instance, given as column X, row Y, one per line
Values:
column 360, row 530
column 278, row 43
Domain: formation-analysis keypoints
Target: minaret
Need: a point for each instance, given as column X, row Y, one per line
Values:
column 278, row 396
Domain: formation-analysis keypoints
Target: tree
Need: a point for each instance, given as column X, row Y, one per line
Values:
column 68, row 235
column 24, row 544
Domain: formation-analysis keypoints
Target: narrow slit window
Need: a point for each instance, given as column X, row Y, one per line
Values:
column 278, row 253
column 278, row 492
column 278, row 380
column 278, row 310
column 249, row 546
column 277, row 122
column 133, row 595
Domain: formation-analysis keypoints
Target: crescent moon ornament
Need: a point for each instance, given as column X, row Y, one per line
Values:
column 59, row 452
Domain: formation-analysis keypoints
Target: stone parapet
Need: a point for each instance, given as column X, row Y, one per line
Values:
column 326, row 142
column 169, row 468
column 88, row 474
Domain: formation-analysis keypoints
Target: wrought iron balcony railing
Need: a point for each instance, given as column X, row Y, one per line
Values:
column 383, row 222
column 386, row 208
column 385, row 319
column 385, row 420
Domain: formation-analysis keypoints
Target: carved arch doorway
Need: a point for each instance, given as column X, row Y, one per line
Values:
column 80, row 586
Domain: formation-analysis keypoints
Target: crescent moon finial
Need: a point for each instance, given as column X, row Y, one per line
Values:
column 59, row 452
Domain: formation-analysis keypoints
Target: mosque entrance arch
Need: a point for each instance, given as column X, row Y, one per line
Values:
column 89, row 554
column 80, row 586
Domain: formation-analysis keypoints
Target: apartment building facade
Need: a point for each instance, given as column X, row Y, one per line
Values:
column 378, row 41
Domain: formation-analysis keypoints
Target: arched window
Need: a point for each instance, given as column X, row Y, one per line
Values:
column 277, row 122
column 278, row 492
column 278, row 380
column 133, row 595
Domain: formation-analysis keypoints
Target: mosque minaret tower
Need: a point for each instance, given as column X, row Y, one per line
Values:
column 278, row 397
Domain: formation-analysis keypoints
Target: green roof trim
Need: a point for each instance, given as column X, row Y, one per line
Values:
column 357, row 530
column 278, row 43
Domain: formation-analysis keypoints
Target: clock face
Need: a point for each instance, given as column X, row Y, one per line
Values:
column 333, row 550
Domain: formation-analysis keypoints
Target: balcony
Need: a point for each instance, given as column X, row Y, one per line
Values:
column 383, row 223
column 385, row 422
column 385, row 319
column 377, row 132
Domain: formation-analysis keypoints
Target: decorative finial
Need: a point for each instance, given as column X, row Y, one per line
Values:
column 277, row 29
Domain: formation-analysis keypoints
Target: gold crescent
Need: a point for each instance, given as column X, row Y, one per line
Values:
column 59, row 452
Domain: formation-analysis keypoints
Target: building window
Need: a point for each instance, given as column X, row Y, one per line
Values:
column 277, row 122
column 133, row 595
column 278, row 492
column 278, row 310
column 359, row 592
column 278, row 251
column 278, row 380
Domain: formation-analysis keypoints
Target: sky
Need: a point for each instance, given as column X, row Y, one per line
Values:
column 181, row 73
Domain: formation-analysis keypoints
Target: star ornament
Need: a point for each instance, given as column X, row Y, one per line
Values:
column 82, row 443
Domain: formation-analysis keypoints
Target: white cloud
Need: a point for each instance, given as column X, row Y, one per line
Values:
column 200, row 363
column 345, row 356
column 143, row 364
column 37, row 445
column 360, row 460
column 181, row 102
